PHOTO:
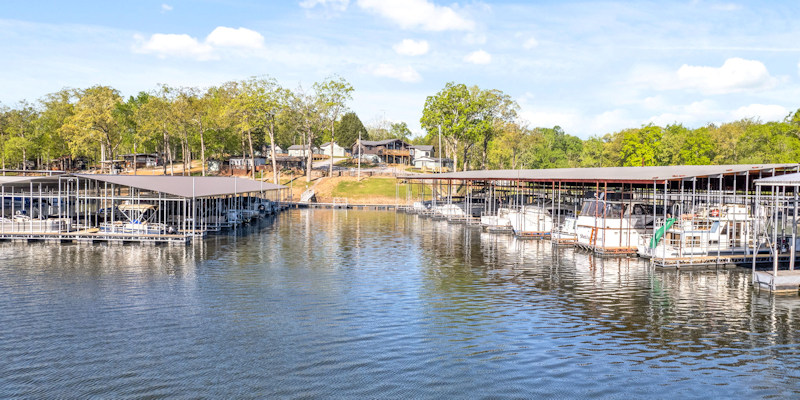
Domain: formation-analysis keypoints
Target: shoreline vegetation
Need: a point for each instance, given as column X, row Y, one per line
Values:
column 480, row 129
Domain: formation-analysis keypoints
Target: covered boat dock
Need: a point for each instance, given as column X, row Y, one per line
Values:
column 676, row 216
column 128, row 208
column 776, row 231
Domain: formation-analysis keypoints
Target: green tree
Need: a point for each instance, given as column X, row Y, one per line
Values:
column 156, row 123
column 772, row 142
column 640, row 146
column 452, row 111
column 505, row 148
column 696, row 148
column 56, row 108
column 399, row 130
column 333, row 95
column 216, row 135
column 93, row 123
column 264, row 100
column 132, row 136
column 21, row 142
column 493, row 108
column 592, row 152
column 552, row 148
column 794, row 119
column 303, row 116
column 4, row 134
column 348, row 129
column 726, row 138
column 187, row 110
column 682, row 146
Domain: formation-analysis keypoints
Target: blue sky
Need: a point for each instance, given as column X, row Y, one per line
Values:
column 590, row 67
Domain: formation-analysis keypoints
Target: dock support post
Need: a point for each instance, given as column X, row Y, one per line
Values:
column 774, row 233
column 794, row 232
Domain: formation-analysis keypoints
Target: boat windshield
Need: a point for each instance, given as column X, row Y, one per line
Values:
column 599, row 208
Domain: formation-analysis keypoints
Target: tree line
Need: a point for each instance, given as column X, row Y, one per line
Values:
column 480, row 129
column 179, row 123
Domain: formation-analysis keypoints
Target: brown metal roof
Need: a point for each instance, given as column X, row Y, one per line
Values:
column 186, row 186
column 609, row 174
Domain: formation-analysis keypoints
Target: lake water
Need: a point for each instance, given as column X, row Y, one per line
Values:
column 321, row 303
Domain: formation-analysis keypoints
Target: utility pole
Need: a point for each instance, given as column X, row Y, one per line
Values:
column 440, row 149
column 359, row 156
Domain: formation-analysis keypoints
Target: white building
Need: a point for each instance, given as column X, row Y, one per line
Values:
column 298, row 150
column 338, row 151
column 421, row 150
column 433, row 164
column 265, row 150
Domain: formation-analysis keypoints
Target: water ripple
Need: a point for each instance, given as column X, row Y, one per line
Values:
column 319, row 303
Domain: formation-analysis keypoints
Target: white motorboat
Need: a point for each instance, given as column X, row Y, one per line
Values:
column 497, row 223
column 138, row 221
column 567, row 232
column 531, row 221
column 612, row 227
column 711, row 231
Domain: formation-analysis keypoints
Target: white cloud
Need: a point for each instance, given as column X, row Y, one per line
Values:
column 764, row 112
column 166, row 7
column 229, row 37
column 530, row 43
column 478, row 57
column 422, row 14
column 182, row 45
column 167, row 44
column 410, row 47
column 403, row 74
column 735, row 75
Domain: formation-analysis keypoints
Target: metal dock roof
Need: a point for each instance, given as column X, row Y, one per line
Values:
column 182, row 186
column 186, row 186
column 607, row 174
column 780, row 180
